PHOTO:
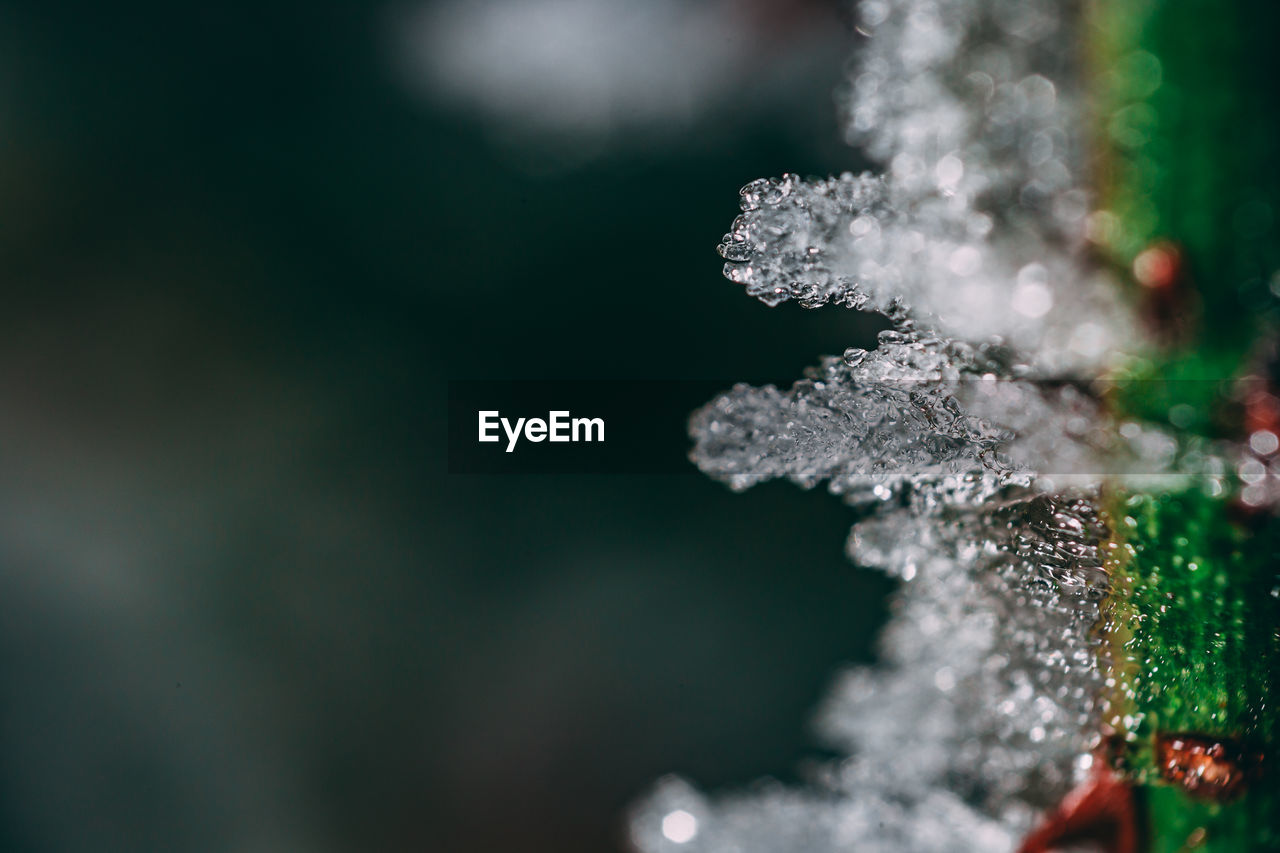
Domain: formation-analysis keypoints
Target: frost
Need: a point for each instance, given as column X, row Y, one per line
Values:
column 784, row 820
column 992, row 643
column 978, row 224
column 935, row 422
column 860, row 241
column 979, row 714
column 973, row 437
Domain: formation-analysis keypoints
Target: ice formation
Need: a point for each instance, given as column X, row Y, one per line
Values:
column 875, row 241
column 973, row 432
column 979, row 222
column 978, row 714
column 933, row 422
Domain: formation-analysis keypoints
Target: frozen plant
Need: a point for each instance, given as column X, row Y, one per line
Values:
column 974, row 430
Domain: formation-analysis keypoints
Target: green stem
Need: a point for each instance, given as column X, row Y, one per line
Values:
column 1187, row 118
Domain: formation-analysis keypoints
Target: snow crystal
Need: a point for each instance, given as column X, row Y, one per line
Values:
column 978, row 224
column 973, row 437
column 934, row 422
column 980, row 713
column 853, row 241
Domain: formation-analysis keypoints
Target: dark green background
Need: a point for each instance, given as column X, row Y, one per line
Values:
column 240, row 260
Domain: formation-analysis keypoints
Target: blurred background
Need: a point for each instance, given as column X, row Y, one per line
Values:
column 243, row 606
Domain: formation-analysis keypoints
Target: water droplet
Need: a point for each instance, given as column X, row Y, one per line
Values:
column 853, row 356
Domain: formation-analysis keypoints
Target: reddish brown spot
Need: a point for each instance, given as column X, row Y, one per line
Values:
column 1261, row 410
column 1169, row 303
column 1159, row 266
column 1103, row 811
column 1206, row 768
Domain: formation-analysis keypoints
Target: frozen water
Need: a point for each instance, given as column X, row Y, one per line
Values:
column 980, row 713
column 886, row 423
column 972, row 437
column 932, row 422
column 991, row 644
column 776, row 820
column 978, row 223
column 863, row 241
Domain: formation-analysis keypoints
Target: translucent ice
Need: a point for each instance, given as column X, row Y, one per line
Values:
column 977, row 225
column 862, row 242
column 973, row 436
column 774, row 821
column 991, row 648
column 933, row 422
column 979, row 715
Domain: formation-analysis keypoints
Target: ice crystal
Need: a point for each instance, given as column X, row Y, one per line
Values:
column 934, row 422
column 978, row 223
column 975, row 430
column 974, row 437
column 992, row 642
column 862, row 242
column 979, row 714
